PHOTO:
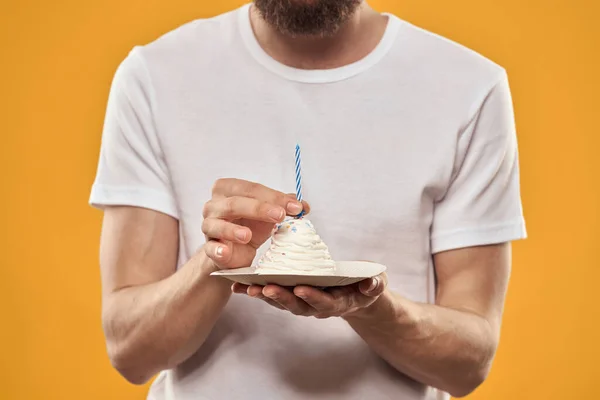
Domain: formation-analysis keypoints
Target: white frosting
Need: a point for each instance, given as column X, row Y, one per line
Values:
column 296, row 248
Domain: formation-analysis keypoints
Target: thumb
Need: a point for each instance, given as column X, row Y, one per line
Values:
column 372, row 287
column 305, row 205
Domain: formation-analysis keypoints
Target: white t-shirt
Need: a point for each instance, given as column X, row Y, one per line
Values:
column 407, row 152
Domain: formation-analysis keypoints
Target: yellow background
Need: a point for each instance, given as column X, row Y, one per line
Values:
column 57, row 59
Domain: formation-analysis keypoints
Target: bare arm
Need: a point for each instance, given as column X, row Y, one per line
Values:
column 154, row 317
column 449, row 345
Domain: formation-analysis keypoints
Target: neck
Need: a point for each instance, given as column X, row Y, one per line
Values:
column 353, row 41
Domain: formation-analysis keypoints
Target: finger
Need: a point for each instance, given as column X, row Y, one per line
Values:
column 305, row 204
column 243, row 289
column 306, row 207
column 294, row 207
column 317, row 299
column 250, row 290
column 223, row 230
column 243, row 207
column 226, row 254
column 372, row 287
column 229, row 187
column 255, row 291
column 288, row 300
column 239, row 288
column 218, row 251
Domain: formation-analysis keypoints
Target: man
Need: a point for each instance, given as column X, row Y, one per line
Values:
column 409, row 160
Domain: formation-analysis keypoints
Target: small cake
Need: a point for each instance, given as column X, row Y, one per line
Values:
column 296, row 248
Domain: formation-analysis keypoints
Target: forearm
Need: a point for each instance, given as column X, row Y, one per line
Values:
column 445, row 348
column 157, row 326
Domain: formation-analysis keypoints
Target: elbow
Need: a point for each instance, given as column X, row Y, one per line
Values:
column 128, row 366
column 125, row 354
column 474, row 372
column 476, row 367
column 472, row 380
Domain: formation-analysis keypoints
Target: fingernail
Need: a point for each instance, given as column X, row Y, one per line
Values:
column 373, row 285
column 241, row 234
column 276, row 214
column 219, row 251
column 301, row 295
column 294, row 208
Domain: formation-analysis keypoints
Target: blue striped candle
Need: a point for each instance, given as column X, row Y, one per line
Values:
column 298, row 179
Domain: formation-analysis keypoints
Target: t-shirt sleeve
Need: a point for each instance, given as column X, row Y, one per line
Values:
column 132, row 169
column 482, row 204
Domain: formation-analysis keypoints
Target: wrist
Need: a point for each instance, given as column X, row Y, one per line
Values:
column 381, row 310
column 204, row 264
column 202, row 267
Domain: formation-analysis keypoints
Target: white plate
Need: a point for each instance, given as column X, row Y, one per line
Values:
column 347, row 273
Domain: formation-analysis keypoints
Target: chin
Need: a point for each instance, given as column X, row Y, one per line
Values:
column 307, row 17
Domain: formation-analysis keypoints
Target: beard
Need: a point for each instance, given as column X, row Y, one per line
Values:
column 307, row 17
